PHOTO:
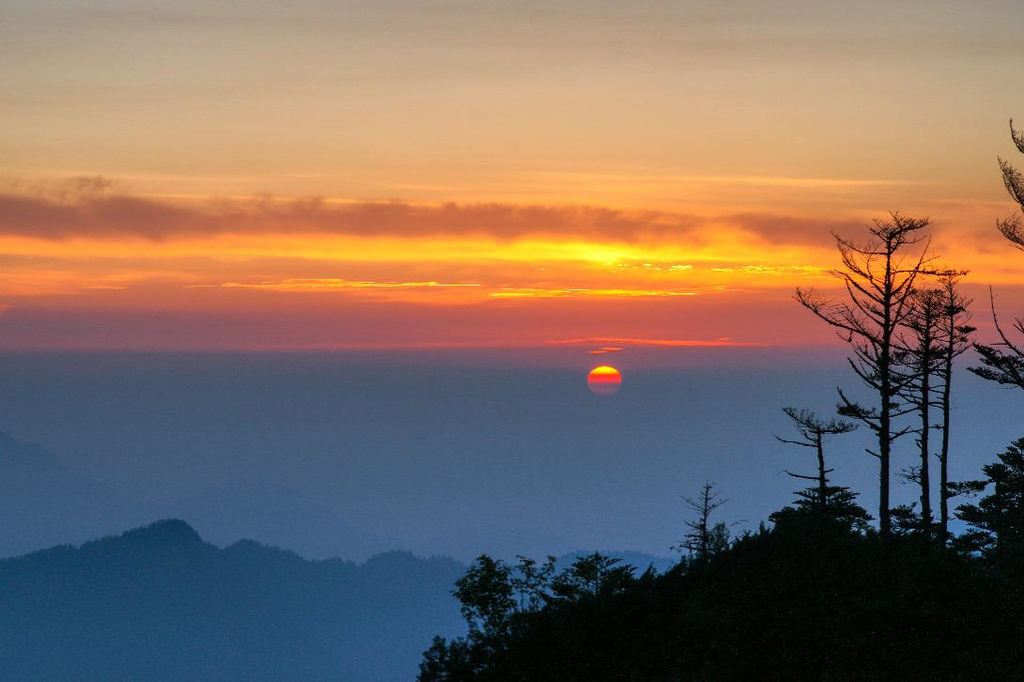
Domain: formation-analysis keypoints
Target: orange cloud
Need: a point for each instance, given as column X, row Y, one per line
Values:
column 101, row 215
column 91, row 211
column 334, row 284
column 604, row 350
column 388, row 290
column 667, row 343
column 541, row 292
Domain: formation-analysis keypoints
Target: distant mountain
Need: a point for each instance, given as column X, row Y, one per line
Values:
column 43, row 503
column 275, row 515
column 466, row 542
column 160, row 603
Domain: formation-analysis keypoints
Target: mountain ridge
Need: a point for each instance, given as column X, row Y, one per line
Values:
column 158, row 602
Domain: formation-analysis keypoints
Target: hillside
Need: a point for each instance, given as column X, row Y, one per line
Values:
column 159, row 603
column 793, row 602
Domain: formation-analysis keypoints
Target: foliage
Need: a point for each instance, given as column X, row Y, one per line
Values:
column 591, row 575
column 840, row 509
column 485, row 593
column 497, row 600
column 806, row 599
column 996, row 522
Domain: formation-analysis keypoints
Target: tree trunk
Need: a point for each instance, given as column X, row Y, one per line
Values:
column 926, row 361
column 822, row 474
column 885, row 389
column 944, row 457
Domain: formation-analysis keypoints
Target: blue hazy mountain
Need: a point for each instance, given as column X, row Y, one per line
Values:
column 42, row 502
column 160, row 603
column 275, row 515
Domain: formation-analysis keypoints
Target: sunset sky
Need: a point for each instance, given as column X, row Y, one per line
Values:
column 398, row 174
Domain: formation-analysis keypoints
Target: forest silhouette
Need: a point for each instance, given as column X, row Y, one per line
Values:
column 824, row 590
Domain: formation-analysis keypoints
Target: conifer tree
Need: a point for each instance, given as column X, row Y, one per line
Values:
column 997, row 520
column 704, row 539
column 920, row 359
column 879, row 277
column 812, row 433
column 590, row 575
column 955, row 339
column 1003, row 361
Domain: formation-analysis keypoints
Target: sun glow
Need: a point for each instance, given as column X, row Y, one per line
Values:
column 604, row 380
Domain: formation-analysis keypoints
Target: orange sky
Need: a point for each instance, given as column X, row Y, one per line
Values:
column 403, row 175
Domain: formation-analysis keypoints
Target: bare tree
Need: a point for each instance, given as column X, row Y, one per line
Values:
column 955, row 339
column 812, row 434
column 1013, row 227
column 879, row 277
column 921, row 355
column 1003, row 361
column 703, row 538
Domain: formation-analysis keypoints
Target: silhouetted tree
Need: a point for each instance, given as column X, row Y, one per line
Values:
column 1013, row 228
column 498, row 601
column 532, row 581
column 997, row 520
column 590, row 575
column 920, row 358
column 905, row 519
column 485, row 594
column 856, row 606
column 1003, row 361
column 704, row 539
column 812, row 434
column 955, row 339
column 840, row 510
column 448, row 661
column 879, row 276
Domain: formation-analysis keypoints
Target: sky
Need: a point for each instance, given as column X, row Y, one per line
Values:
column 367, row 252
column 256, row 176
column 450, row 451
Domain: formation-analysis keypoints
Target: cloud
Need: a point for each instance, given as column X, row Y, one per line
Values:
column 97, row 213
column 776, row 270
column 477, row 290
column 583, row 292
column 604, row 350
column 666, row 343
column 93, row 216
column 334, row 284
column 89, row 207
column 782, row 229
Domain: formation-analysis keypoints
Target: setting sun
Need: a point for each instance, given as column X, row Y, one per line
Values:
column 604, row 380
